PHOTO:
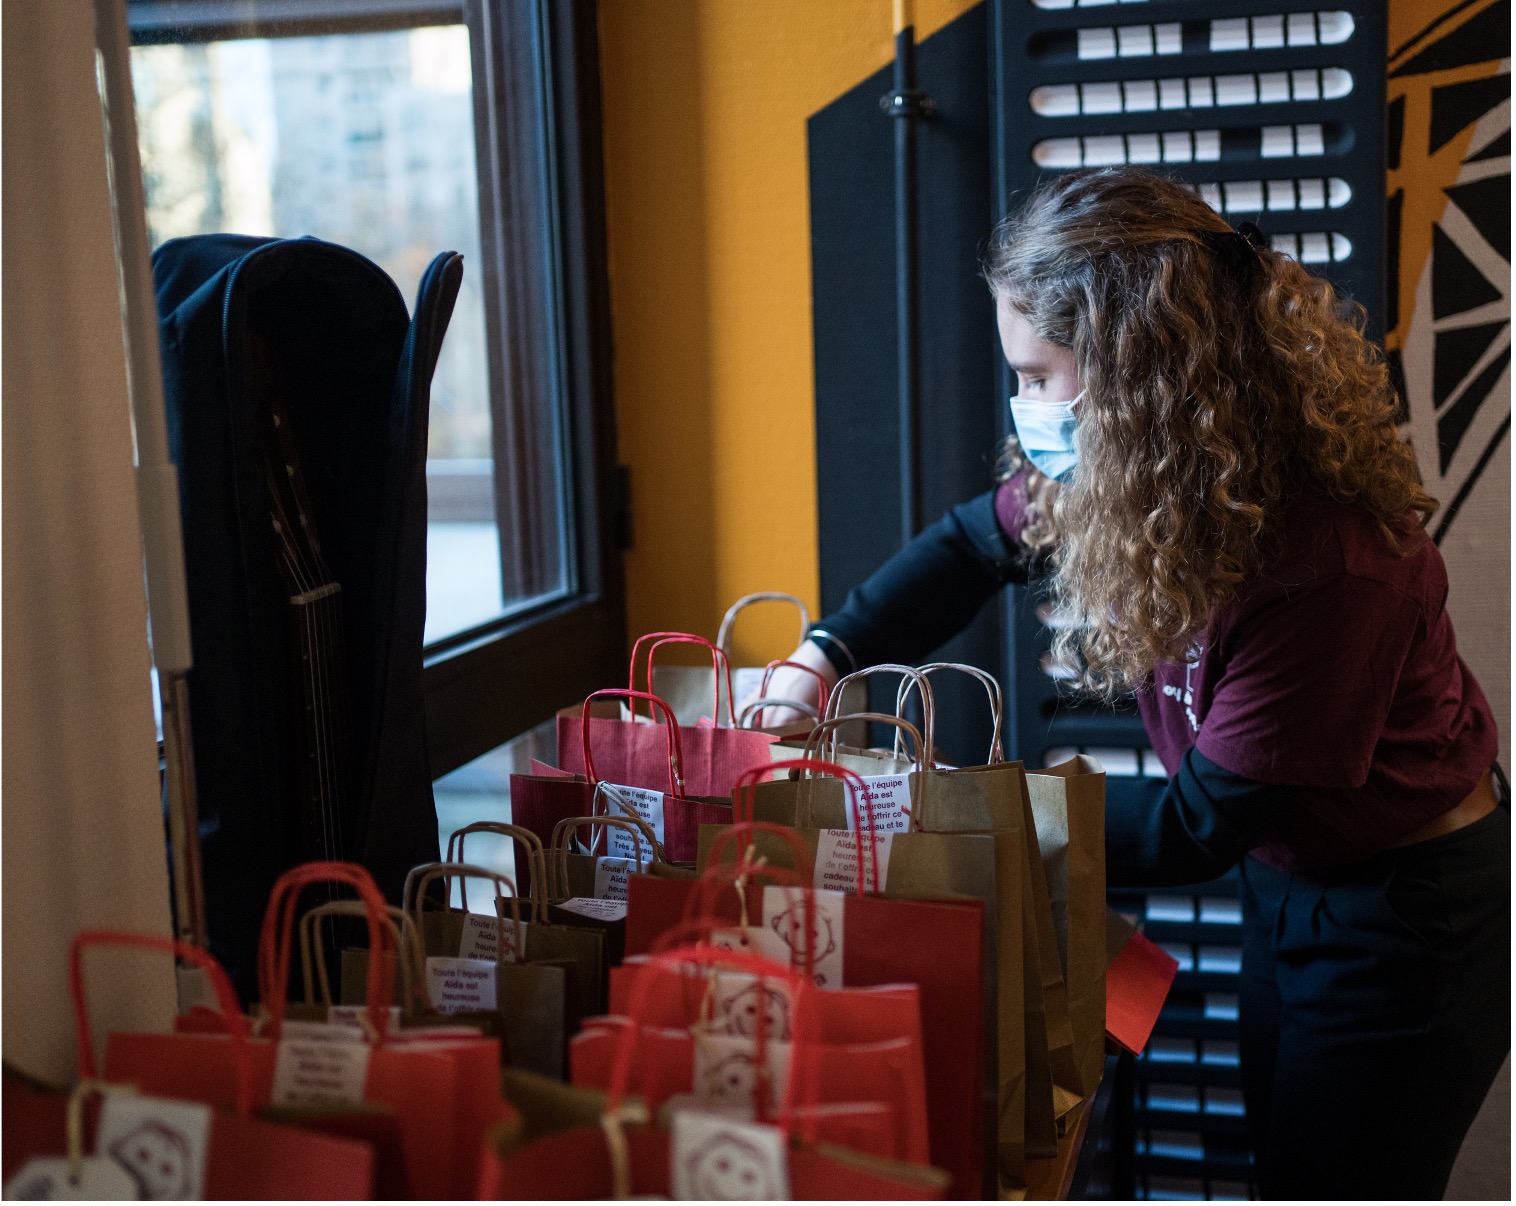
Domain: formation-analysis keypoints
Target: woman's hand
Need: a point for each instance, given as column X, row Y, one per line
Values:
column 788, row 683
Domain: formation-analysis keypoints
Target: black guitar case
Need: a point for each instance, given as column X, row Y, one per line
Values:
column 254, row 329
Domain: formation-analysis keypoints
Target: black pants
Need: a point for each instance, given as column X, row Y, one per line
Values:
column 1375, row 1013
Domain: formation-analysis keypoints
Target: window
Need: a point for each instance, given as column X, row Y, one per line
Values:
column 401, row 130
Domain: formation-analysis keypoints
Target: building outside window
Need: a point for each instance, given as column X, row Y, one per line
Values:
column 401, row 131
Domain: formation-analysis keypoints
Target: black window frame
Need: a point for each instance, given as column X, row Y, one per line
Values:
column 536, row 102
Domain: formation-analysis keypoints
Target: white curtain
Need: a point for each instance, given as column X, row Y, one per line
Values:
column 83, row 835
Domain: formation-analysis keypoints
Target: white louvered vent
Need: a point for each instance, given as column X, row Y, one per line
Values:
column 1276, row 196
column 1277, row 31
column 1196, row 92
column 1299, row 141
column 1130, row 41
column 1272, row 31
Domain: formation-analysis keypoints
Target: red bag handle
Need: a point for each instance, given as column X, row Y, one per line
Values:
column 637, row 646
column 863, row 818
column 226, row 999
column 803, row 1020
column 700, row 906
column 274, row 943
column 768, row 673
column 719, row 660
column 671, row 723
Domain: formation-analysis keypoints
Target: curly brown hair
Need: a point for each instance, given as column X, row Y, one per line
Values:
column 1219, row 385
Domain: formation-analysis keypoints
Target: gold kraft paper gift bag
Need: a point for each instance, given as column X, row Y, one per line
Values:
column 1068, row 802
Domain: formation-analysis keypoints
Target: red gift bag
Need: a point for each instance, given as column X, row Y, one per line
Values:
column 634, row 753
column 867, row 1042
column 443, row 1094
column 721, row 677
column 618, row 1160
column 682, row 814
column 540, row 800
column 1137, row 982
column 934, row 944
column 474, row 1103
column 870, row 1119
column 247, row 1157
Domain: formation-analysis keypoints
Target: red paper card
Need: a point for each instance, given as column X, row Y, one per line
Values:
column 1137, row 983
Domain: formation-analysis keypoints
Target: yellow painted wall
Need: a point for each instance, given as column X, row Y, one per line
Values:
column 707, row 206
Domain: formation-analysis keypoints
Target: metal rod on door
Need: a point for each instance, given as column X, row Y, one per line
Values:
column 157, row 476
column 906, row 106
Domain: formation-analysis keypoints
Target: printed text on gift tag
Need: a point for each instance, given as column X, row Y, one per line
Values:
column 611, row 877
column 460, row 985
column 599, row 910
column 638, row 802
column 353, row 1017
column 887, row 799
column 837, row 852
column 317, row 1071
column 481, row 938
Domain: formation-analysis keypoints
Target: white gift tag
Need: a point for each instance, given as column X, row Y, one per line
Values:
column 161, row 1143
column 320, row 1071
column 747, row 681
column 320, row 1032
column 887, row 798
column 742, row 1111
column 611, row 877
column 481, row 938
column 101, row 1179
column 837, row 860
column 737, row 998
column 460, row 985
column 713, row 1157
column 784, row 912
column 643, row 802
column 726, row 1068
column 756, row 939
column 350, row 1016
column 600, row 910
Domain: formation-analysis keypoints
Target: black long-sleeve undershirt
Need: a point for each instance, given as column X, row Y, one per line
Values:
column 1189, row 828
column 1186, row 829
column 929, row 591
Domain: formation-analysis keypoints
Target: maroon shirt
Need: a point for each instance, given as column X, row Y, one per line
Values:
column 1335, row 672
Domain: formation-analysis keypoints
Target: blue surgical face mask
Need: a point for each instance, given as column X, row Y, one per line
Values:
column 1046, row 432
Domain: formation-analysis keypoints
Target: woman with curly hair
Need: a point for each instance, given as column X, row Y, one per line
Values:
column 1209, row 473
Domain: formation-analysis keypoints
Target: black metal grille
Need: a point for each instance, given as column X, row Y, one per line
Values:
column 1275, row 113
column 1191, row 1131
column 1276, row 116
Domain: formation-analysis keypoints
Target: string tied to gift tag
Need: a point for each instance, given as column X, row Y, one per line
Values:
column 74, row 1122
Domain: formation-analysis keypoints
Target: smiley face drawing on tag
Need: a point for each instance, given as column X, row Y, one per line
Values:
column 730, row 1078
column 738, row 1013
column 158, row 1158
column 790, row 926
column 727, row 1168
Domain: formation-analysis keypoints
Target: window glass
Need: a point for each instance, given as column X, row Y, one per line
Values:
column 481, row 791
column 367, row 140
